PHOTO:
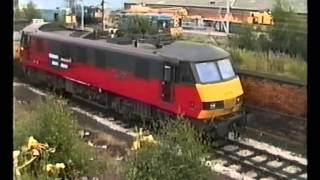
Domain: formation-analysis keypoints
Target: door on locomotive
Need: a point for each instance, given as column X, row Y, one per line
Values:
column 24, row 48
column 168, row 82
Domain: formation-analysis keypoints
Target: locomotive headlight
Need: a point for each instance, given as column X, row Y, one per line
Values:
column 212, row 105
column 238, row 99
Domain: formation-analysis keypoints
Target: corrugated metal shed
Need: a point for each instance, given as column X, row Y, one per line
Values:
column 299, row 6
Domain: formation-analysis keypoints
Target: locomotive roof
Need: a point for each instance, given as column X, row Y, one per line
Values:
column 175, row 52
column 191, row 51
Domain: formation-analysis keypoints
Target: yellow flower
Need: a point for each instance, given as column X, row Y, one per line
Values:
column 52, row 150
column 136, row 145
column 32, row 143
column 49, row 167
column 15, row 158
column 60, row 166
column 149, row 139
column 16, row 153
column 35, row 152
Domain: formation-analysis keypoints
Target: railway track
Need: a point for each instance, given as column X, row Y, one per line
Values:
column 260, row 164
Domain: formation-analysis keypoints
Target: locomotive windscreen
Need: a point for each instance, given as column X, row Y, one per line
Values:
column 214, row 71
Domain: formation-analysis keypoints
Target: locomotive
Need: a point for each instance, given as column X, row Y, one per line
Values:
column 193, row 80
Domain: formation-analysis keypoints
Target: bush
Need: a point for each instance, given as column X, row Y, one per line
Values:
column 52, row 122
column 137, row 25
column 245, row 39
column 289, row 33
column 176, row 156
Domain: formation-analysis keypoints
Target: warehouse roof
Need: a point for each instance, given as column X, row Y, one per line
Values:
column 299, row 6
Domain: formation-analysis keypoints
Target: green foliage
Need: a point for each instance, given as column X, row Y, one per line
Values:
column 31, row 12
column 137, row 25
column 52, row 122
column 263, row 44
column 176, row 156
column 277, row 64
column 289, row 33
column 246, row 38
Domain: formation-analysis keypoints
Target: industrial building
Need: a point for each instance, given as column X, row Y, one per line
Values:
column 240, row 9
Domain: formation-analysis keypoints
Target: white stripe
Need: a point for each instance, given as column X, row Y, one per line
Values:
column 64, row 66
column 66, row 60
column 54, row 56
column 55, row 63
column 74, row 80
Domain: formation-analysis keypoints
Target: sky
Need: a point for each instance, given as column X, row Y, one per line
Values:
column 52, row 4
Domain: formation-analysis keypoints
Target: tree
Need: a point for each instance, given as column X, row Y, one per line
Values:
column 263, row 43
column 245, row 39
column 289, row 33
column 137, row 25
column 31, row 12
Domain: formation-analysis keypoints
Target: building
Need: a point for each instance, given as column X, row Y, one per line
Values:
column 240, row 9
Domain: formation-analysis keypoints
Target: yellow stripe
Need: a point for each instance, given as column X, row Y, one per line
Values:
column 220, row 91
column 208, row 114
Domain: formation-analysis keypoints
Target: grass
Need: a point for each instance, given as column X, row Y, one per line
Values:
column 217, row 41
column 276, row 64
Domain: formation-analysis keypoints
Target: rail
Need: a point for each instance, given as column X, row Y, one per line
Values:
column 263, row 163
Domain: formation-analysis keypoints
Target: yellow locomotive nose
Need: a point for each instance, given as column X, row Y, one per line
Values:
column 220, row 98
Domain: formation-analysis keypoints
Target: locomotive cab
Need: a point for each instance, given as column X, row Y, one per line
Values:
column 217, row 85
column 219, row 88
column 208, row 69
column 218, row 91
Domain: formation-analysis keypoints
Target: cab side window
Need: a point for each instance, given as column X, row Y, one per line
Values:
column 185, row 74
column 25, row 40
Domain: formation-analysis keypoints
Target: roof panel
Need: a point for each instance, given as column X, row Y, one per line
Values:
column 190, row 51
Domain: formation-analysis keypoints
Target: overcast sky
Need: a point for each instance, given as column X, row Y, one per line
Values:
column 52, row 4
